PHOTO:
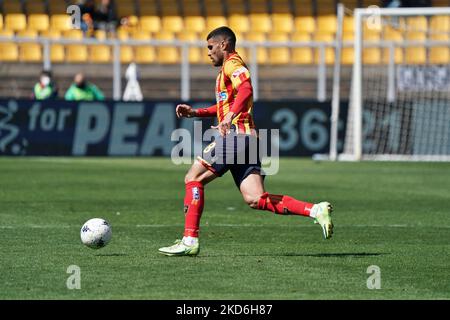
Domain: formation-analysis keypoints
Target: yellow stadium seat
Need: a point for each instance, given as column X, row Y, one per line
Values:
column 61, row 22
column 213, row 22
column 143, row 53
column 35, row 7
column 172, row 23
column 347, row 53
column 141, row 35
column 326, row 7
column 394, row 35
column 100, row 53
column 150, row 23
column 301, row 55
column 371, row 55
column 12, row 6
column 166, row 54
column 440, row 23
column 126, row 8
column 73, row 34
column 439, row 54
column 9, row 51
column 262, row 55
column 239, row 22
column 243, row 53
column 326, row 37
column 126, row 54
column 260, row 22
column 76, row 53
column 282, row 22
column 327, row 23
column 279, row 55
column 38, row 22
column 32, row 34
column 1, row 21
column 52, row 34
column 194, row 24
column 57, row 53
column 195, row 53
column 100, row 35
column 29, row 51
column 148, row 7
column 349, row 24
column 57, row 7
column 122, row 34
column 418, row 23
column 416, row 54
column 6, row 33
column 15, row 22
column 305, row 24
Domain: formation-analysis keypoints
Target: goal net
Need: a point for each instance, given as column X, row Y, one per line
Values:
column 400, row 94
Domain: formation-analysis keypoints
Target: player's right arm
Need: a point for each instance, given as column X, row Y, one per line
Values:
column 184, row 110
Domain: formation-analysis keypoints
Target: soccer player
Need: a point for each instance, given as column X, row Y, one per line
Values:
column 235, row 125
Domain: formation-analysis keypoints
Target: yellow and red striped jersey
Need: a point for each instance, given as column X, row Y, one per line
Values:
column 234, row 72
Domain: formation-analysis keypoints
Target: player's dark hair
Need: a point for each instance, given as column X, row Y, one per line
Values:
column 46, row 73
column 224, row 32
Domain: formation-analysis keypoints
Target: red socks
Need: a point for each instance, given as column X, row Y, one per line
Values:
column 193, row 208
column 281, row 204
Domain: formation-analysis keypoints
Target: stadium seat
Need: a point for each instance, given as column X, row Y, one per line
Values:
column 57, row 7
column 305, row 24
column 167, row 54
column 394, row 35
column 76, row 53
column 1, row 21
column 52, row 34
column 371, row 55
column 29, row 51
column 282, row 22
column 38, row 22
column 303, row 7
column 35, row 7
column 260, row 22
column 239, row 22
column 126, row 8
column 172, row 23
column 150, row 23
column 279, row 55
column 439, row 54
column 418, row 23
column 100, row 53
column 148, row 7
column 329, row 51
column 15, row 22
column 100, row 35
column 214, row 8
column 143, row 53
column 262, row 55
column 61, row 22
column 12, row 7
column 126, row 54
column 195, row 53
column 301, row 55
column 416, row 54
column 9, row 51
column 325, row 7
column 349, row 24
column 122, row 34
column 194, row 24
column 73, row 34
column 191, row 8
column 347, row 54
column 327, row 24
column 236, row 7
column 440, row 23
column 213, row 22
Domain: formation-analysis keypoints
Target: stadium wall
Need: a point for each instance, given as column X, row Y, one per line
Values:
column 109, row 128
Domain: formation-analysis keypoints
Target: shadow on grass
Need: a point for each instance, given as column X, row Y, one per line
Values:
column 315, row 255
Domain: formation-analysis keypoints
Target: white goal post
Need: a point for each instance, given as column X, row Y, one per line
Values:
column 399, row 104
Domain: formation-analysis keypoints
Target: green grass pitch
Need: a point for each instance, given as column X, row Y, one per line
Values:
column 392, row 215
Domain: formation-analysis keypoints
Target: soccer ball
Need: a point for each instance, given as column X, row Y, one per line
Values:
column 96, row 233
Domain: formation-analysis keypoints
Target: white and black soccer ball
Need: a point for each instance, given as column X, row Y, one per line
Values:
column 96, row 233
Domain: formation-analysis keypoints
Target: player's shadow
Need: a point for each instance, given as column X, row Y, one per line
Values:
column 111, row 255
column 336, row 255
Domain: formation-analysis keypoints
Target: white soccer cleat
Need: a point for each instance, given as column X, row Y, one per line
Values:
column 181, row 249
column 322, row 212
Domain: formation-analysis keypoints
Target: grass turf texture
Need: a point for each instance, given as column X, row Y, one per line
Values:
column 392, row 215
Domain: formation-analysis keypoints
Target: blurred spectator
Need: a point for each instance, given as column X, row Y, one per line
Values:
column 105, row 18
column 82, row 90
column 87, row 10
column 45, row 88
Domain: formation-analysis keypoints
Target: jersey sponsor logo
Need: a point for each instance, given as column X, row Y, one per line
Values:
column 221, row 96
column 239, row 71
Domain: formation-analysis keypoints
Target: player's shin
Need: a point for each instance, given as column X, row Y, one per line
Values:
column 193, row 208
column 281, row 204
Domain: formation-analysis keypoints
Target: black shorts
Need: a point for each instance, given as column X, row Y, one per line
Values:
column 238, row 153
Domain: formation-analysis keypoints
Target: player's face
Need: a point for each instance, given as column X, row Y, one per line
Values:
column 215, row 51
